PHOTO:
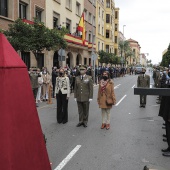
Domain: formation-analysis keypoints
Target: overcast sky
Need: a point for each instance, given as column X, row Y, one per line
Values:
column 148, row 22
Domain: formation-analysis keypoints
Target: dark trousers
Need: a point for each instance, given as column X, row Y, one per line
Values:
column 142, row 99
column 53, row 88
column 35, row 92
column 83, row 110
column 168, row 133
column 62, row 107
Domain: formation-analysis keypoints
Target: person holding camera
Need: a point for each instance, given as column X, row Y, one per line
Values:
column 46, row 83
column 34, row 74
column 106, row 98
column 62, row 94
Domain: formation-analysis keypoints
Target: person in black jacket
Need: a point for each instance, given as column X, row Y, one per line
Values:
column 54, row 75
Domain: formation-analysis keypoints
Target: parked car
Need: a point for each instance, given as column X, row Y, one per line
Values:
column 138, row 70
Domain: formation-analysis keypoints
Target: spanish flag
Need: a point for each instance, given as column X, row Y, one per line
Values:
column 81, row 27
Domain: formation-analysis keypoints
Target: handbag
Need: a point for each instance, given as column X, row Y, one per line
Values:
column 110, row 100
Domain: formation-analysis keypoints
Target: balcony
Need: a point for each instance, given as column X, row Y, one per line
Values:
column 71, row 38
column 78, row 41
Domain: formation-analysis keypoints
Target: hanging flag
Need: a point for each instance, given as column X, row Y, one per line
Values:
column 81, row 27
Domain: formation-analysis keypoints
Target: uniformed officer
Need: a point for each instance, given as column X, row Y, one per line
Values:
column 83, row 94
column 143, row 81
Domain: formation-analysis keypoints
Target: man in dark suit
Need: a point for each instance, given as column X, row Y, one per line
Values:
column 83, row 94
column 143, row 81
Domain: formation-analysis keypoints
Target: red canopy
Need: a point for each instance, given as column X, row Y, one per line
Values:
column 22, row 146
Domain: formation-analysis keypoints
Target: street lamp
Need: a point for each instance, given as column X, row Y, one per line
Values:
column 123, row 57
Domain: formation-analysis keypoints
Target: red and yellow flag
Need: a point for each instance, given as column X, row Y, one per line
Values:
column 81, row 27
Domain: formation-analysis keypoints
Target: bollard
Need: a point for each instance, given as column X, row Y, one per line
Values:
column 49, row 95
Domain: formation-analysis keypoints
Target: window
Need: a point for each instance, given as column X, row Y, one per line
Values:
column 116, row 15
column 38, row 13
column 4, row 8
column 22, row 10
column 85, row 14
column 94, row 39
column 115, row 27
column 115, row 51
column 69, row 4
column 89, row 19
column 107, row 33
column 26, row 58
column 99, row 11
column 89, row 39
column 107, row 3
column 78, row 9
column 102, row 31
column 99, row 46
column 56, row 20
column 68, row 25
column 116, row 39
column 107, row 18
column 94, row 21
column 102, row 14
column 107, row 48
column 99, row 28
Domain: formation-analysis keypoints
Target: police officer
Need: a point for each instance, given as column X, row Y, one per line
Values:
column 83, row 94
column 143, row 81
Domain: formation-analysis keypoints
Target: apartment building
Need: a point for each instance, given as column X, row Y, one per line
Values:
column 100, row 24
column 136, row 50
column 67, row 13
column 10, row 10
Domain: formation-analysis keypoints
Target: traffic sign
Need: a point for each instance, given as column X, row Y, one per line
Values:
column 93, row 56
column 61, row 54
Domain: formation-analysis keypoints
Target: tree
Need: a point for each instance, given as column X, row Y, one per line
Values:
column 35, row 37
column 108, row 58
column 125, row 48
column 166, row 58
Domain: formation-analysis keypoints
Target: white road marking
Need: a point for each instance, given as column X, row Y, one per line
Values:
column 150, row 120
column 120, row 100
column 133, row 86
column 129, row 113
column 117, row 86
column 68, row 158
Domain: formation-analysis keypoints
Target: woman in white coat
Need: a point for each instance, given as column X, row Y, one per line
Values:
column 62, row 92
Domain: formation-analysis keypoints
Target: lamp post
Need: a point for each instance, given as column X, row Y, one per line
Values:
column 123, row 57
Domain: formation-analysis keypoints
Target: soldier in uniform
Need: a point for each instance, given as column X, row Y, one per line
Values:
column 143, row 81
column 83, row 94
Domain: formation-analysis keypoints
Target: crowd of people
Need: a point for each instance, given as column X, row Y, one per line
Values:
column 161, row 78
column 79, row 80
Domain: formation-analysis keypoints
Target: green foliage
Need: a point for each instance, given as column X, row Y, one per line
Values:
column 108, row 58
column 125, row 49
column 166, row 58
column 35, row 37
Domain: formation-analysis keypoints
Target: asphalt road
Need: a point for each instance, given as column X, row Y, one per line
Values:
column 133, row 141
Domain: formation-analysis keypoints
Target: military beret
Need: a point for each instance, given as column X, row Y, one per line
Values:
column 83, row 68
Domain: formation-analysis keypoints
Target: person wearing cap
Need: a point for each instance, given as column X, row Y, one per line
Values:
column 83, row 94
column 143, row 81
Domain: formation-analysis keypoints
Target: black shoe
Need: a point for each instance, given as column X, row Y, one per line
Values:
column 164, row 136
column 65, row 122
column 164, row 124
column 167, row 154
column 158, row 102
column 59, row 122
column 79, row 124
column 165, row 150
column 85, row 125
column 165, row 140
column 163, row 127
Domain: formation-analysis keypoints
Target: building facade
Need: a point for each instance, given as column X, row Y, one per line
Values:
column 107, row 26
column 26, row 10
column 136, row 50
